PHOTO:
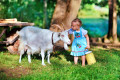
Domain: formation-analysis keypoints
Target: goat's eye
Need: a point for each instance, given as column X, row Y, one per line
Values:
column 62, row 35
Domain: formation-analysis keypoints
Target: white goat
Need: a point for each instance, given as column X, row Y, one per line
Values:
column 36, row 40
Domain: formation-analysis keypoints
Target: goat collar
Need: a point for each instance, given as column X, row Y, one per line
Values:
column 52, row 39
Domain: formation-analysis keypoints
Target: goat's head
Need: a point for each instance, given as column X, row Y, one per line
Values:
column 64, row 37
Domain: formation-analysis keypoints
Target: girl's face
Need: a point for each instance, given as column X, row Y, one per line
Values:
column 75, row 25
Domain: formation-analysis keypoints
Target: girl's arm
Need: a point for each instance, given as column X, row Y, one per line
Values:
column 88, row 42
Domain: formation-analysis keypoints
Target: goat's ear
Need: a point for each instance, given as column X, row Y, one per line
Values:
column 59, row 34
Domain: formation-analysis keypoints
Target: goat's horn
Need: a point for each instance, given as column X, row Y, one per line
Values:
column 63, row 26
column 58, row 26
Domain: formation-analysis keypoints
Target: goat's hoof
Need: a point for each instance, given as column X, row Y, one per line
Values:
column 19, row 61
column 43, row 64
column 49, row 63
column 29, row 61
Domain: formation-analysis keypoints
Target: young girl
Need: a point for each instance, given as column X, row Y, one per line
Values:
column 81, row 41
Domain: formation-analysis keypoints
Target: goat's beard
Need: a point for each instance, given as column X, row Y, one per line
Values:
column 66, row 46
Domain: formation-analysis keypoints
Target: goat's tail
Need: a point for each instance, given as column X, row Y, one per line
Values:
column 18, row 32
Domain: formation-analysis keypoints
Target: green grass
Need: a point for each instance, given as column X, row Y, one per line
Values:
column 63, row 68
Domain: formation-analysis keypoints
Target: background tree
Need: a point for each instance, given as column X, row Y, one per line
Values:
column 65, row 11
column 112, row 20
column 59, row 13
column 71, row 13
column 45, row 15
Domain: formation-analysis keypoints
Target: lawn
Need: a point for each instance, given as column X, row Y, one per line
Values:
column 61, row 67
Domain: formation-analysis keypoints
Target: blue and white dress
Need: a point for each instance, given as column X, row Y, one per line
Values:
column 79, row 43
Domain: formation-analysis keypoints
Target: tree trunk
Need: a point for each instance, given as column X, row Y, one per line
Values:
column 112, row 20
column 65, row 12
column 59, row 13
column 45, row 15
column 114, row 34
column 71, row 12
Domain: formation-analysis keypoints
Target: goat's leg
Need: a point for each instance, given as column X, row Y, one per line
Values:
column 29, row 58
column 21, row 53
column 48, row 56
column 43, row 55
column 29, row 55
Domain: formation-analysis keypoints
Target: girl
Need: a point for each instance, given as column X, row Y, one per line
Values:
column 81, row 41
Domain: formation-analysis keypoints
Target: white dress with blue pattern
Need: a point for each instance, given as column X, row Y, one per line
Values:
column 79, row 43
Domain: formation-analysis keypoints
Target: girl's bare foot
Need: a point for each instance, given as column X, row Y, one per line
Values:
column 83, row 65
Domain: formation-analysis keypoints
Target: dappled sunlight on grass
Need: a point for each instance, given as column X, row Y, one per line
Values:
column 62, row 66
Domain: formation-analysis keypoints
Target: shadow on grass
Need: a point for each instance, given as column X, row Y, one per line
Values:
column 61, row 51
column 34, row 56
column 101, row 55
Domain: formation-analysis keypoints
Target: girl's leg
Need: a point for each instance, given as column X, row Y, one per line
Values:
column 83, row 60
column 75, row 59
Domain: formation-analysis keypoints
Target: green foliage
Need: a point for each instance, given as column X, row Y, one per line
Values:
column 101, row 3
column 88, row 2
column 89, row 7
column 26, row 10
column 118, row 8
column 93, row 11
column 63, row 68
column 88, row 14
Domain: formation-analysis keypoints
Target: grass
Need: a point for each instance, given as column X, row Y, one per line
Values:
column 62, row 67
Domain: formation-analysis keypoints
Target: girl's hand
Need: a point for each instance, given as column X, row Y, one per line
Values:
column 88, row 46
column 88, row 43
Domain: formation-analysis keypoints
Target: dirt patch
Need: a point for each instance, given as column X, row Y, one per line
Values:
column 16, row 72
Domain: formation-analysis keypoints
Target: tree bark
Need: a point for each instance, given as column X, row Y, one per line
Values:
column 59, row 13
column 110, row 2
column 65, row 11
column 112, row 21
column 45, row 14
column 114, row 34
column 71, row 12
